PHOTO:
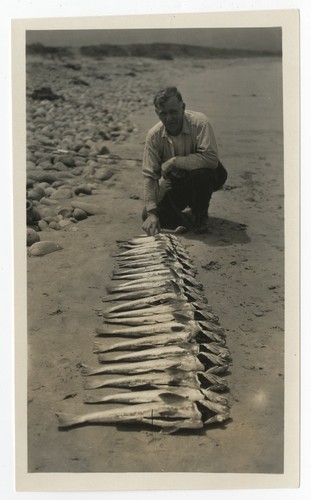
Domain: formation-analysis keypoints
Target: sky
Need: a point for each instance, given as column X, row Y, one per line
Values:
column 228, row 38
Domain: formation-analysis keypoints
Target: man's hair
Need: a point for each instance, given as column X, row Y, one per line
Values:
column 165, row 94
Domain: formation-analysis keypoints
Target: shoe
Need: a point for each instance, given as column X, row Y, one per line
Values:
column 201, row 223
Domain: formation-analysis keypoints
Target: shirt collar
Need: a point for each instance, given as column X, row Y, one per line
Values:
column 185, row 128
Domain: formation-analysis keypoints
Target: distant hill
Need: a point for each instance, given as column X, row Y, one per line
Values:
column 166, row 51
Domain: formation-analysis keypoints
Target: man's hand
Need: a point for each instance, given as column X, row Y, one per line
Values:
column 167, row 167
column 151, row 225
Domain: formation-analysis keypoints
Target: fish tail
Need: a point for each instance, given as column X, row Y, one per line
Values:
column 90, row 399
column 67, row 420
column 90, row 383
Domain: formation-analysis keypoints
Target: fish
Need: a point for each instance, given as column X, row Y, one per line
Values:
column 157, row 352
column 161, row 267
column 151, row 353
column 148, row 396
column 150, row 319
column 161, row 298
column 140, row 286
column 178, row 414
column 186, row 363
column 170, row 326
column 148, row 316
column 161, row 352
column 150, row 329
column 138, row 294
column 163, row 339
column 156, row 260
column 171, row 377
column 165, row 308
column 155, row 281
column 141, row 257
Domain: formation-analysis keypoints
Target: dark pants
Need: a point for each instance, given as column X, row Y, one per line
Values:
column 194, row 190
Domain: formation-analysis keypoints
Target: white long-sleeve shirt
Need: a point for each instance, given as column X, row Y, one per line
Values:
column 195, row 147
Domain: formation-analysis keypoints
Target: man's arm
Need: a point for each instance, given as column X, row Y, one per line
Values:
column 206, row 155
column 152, row 173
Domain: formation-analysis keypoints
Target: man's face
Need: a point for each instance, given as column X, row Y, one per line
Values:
column 171, row 114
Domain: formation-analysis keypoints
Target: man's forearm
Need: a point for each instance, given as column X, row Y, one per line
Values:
column 195, row 161
column 151, row 191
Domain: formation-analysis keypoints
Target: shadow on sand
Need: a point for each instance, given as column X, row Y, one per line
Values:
column 222, row 232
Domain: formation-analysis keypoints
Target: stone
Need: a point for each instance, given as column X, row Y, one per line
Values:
column 103, row 174
column 62, row 193
column 41, row 248
column 79, row 214
column 32, row 237
column 42, row 224
column 83, row 189
column 54, row 225
column 89, row 208
column 67, row 160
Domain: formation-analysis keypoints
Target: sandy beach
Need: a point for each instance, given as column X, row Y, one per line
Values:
column 104, row 108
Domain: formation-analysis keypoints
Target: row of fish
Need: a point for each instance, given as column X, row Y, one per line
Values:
column 170, row 352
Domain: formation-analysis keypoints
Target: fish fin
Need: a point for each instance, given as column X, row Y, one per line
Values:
column 180, row 316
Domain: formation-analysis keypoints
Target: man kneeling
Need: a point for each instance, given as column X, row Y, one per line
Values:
column 181, row 149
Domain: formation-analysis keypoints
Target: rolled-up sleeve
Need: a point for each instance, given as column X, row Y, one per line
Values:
column 206, row 154
column 151, row 172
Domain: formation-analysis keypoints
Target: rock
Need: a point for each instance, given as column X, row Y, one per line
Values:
column 64, row 223
column 49, row 218
column 83, row 189
column 30, row 165
column 50, row 190
column 79, row 214
column 89, row 208
column 60, row 166
column 32, row 214
column 62, row 193
column 67, row 160
column 46, row 177
column 66, row 212
column 43, row 247
column 54, row 225
column 103, row 174
column 45, row 165
column 42, row 224
column 31, row 237
column 35, row 194
column 48, row 201
column 78, row 170
column 44, row 93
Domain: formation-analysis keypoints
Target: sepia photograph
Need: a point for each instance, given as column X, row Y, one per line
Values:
column 153, row 212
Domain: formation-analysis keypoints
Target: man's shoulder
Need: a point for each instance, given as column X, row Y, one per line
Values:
column 196, row 117
column 155, row 131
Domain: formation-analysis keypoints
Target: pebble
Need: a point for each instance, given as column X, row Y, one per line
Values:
column 89, row 208
column 83, row 189
column 42, row 224
column 41, row 248
column 66, row 212
column 79, row 214
column 103, row 174
column 62, row 193
column 32, row 236
column 54, row 225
